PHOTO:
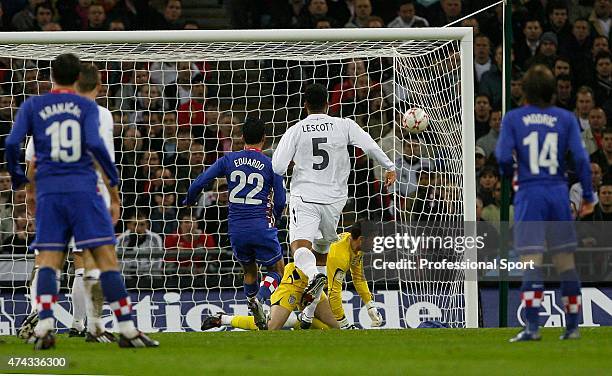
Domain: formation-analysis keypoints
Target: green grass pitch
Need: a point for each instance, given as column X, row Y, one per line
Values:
column 363, row 352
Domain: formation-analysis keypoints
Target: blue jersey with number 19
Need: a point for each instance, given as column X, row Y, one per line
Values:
column 540, row 139
column 64, row 127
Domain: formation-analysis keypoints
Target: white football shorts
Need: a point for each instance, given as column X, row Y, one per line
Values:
column 314, row 222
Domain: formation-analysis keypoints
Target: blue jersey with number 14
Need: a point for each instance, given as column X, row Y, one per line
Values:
column 540, row 138
column 250, row 179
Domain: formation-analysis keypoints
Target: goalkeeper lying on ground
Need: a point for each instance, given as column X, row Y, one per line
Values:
column 345, row 256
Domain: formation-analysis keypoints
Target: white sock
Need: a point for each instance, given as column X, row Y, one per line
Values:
column 226, row 319
column 44, row 326
column 33, row 293
column 78, row 300
column 128, row 329
column 322, row 269
column 291, row 321
column 94, row 301
column 305, row 261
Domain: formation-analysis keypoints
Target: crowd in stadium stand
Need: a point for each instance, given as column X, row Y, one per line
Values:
column 166, row 133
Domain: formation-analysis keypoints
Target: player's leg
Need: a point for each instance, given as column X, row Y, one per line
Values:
column 303, row 226
column 268, row 253
column 94, row 299
column 95, row 231
column 251, row 288
column 79, row 305
column 26, row 330
column 529, row 241
column 330, row 216
column 570, row 292
column 325, row 314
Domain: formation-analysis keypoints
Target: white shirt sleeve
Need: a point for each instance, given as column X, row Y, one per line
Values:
column 29, row 153
column 106, row 131
column 284, row 153
column 360, row 138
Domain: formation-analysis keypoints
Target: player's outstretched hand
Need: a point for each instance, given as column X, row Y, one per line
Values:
column 390, row 177
column 185, row 202
column 586, row 208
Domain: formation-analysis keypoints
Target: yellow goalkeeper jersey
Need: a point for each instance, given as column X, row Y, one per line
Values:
column 340, row 261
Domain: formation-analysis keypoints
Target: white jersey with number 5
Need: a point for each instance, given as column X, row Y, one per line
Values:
column 318, row 147
column 106, row 133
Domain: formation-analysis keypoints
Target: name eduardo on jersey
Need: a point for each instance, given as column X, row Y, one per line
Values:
column 255, row 163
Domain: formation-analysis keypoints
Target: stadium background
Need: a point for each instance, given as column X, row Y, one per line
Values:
column 575, row 46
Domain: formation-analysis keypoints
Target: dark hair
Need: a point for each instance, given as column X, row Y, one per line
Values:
column 65, row 69
column 557, row 4
column 89, row 78
column 253, row 131
column 539, row 85
column 405, row 2
column 44, row 5
column 564, row 77
column 356, row 230
column 603, row 55
column 316, row 97
column 607, row 130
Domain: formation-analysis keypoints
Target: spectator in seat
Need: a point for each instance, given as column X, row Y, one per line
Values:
column 44, row 15
column 490, row 83
column 23, row 235
column 188, row 238
column 138, row 238
column 575, row 193
column 516, row 89
column 480, row 159
column 600, row 18
column 488, row 141
column 215, row 213
column 579, row 51
column 6, row 207
column 486, row 184
column 603, row 156
column 52, row 26
column 491, row 212
column 482, row 114
column 564, row 97
column 191, row 25
column 346, row 91
column 96, row 18
column 149, row 166
column 602, row 85
column 323, row 23
column 482, row 56
column 25, row 20
column 558, row 23
column 170, row 133
column 527, row 48
column 172, row 14
column 547, row 51
column 375, row 22
column 116, row 24
column 406, row 16
column 186, row 174
column 562, row 67
column 451, row 11
column 585, row 102
column 407, row 165
column 164, row 213
column 593, row 135
column 363, row 11
column 316, row 9
column 600, row 44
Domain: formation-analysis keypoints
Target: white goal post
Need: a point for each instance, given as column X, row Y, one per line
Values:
column 266, row 71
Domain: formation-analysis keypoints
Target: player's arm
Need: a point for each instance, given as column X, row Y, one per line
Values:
column 13, row 142
column 334, row 291
column 280, row 196
column 505, row 147
column 360, row 138
column 214, row 171
column 583, row 168
column 284, row 153
column 115, row 202
column 106, row 133
column 361, row 285
column 30, row 173
column 95, row 144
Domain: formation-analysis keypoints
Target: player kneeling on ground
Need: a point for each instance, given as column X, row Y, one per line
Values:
column 67, row 202
column 254, row 239
column 539, row 135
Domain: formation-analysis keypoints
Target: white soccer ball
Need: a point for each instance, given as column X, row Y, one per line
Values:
column 415, row 120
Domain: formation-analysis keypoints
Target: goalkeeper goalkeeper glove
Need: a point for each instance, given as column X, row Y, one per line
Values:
column 375, row 316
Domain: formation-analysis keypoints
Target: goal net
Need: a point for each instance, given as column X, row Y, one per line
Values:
column 178, row 99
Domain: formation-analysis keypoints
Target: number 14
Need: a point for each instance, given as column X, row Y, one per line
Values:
column 547, row 157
